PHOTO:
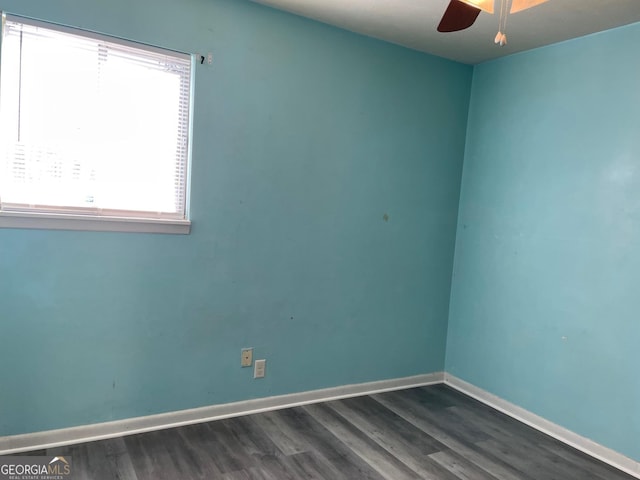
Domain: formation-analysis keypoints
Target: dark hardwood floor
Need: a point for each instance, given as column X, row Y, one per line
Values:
column 422, row 433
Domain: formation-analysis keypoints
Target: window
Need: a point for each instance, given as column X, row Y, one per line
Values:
column 94, row 131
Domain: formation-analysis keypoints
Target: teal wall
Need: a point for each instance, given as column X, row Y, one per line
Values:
column 305, row 136
column 544, row 305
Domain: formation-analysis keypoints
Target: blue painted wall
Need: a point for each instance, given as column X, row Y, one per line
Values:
column 544, row 305
column 305, row 136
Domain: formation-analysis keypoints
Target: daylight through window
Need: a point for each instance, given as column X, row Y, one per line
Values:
column 91, row 125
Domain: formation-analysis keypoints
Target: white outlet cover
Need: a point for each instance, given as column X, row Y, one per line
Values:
column 260, row 369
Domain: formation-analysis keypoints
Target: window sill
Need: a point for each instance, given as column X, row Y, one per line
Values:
column 52, row 221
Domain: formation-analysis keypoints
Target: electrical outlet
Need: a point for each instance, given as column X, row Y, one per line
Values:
column 246, row 357
column 259, row 370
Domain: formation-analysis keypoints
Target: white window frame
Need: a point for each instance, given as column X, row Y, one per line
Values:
column 65, row 220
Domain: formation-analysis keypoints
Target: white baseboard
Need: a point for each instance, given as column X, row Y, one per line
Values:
column 579, row 442
column 100, row 431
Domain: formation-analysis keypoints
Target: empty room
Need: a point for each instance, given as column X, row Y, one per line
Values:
column 372, row 239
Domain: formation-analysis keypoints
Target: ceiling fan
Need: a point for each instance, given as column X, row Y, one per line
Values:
column 461, row 14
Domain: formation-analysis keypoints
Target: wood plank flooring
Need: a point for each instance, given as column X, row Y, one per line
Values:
column 430, row 432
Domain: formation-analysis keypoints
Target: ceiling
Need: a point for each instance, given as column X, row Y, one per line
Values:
column 412, row 23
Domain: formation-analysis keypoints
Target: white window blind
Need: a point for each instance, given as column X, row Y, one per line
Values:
column 91, row 125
